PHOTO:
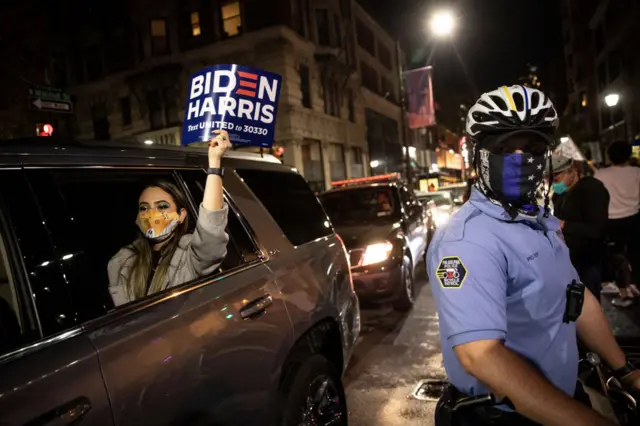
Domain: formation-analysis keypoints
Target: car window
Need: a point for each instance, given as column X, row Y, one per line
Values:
column 289, row 200
column 361, row 205
column 46, row 282
column 12, row 328
column 90, row 215
column 239, row 238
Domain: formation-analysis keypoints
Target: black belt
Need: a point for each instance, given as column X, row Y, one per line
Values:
column 458, row 409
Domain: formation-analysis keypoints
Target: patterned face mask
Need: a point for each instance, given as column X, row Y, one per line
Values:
column 157, row 226
column 513, row 177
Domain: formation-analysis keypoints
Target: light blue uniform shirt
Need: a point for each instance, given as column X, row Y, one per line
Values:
column 493, row 278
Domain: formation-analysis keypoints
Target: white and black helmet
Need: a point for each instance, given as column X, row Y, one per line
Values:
column 509, row 109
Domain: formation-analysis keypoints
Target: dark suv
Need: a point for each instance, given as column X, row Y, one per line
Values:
column 263, row 340
column 385, row 230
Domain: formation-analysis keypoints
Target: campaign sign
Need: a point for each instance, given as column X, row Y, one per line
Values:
column 241, row 100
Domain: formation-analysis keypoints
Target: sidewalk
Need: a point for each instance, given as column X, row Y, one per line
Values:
column 625, row 322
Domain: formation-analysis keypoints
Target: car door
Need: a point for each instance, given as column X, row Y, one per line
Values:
column 414, row 224
column 420, row 214
column 202, row 353
column 49, row 370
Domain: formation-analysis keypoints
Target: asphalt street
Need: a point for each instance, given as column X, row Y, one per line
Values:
column 395, row 352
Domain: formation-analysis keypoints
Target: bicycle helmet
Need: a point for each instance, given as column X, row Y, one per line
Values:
column 510, row 109
column 504, row 112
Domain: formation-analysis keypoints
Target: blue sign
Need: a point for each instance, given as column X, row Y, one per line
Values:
column 241, row 100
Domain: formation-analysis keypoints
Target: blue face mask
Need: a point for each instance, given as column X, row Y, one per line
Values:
column 560, row 188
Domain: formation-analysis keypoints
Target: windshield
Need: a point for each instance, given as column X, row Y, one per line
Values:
column 443, row 199
column 360, row 205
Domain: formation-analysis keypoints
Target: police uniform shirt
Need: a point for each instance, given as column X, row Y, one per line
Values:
column 496, row 279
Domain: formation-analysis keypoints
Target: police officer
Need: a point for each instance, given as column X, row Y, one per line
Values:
column 501, row 278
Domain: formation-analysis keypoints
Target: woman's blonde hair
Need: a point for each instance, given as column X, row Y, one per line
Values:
column 142, row 249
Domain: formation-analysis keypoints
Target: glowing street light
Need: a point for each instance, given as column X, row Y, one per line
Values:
column 612, row 100
column 564, row 139
column 442, row 23
column 148, row 142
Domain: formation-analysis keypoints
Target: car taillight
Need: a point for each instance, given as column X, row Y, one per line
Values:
column 346, row 255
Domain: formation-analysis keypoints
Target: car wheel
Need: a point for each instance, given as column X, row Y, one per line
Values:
column 405, row 299
column 313, row 395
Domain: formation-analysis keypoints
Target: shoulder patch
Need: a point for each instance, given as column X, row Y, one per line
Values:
column 451, row 272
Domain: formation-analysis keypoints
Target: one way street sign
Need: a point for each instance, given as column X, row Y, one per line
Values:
column 50, row 99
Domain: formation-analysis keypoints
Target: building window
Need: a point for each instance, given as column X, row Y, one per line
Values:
column 231, row 19
column 369, row 77
column 305, row 86
column 125, row 109
column 312, row 164
column 351, row 106
column 159, row 39
column 384, row 56
column 299, row 17
column 387, row 90
column 366, row 39
column 163, row 107
column 337, row 164
column 357, row 165
column 322, row 24
column 338, row 30
column 100, row 122
column 195, row 24
column 154, row 104
column 332, row 101
column 170, row 98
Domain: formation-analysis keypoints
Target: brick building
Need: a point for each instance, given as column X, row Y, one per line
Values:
column 133, row 60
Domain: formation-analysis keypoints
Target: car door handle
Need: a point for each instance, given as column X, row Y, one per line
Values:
column 66, row 414
column 256, row 307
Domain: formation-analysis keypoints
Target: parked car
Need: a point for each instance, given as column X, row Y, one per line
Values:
column 263, row 340
column 384, row 227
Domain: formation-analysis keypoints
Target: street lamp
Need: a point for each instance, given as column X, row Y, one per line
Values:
column 564, row 139
column 442, row 23
column 612, row 99
column 148, row 142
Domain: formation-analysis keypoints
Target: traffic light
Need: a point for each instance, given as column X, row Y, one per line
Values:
column 44, row 129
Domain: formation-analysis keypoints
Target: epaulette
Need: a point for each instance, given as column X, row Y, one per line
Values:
column 455, row 228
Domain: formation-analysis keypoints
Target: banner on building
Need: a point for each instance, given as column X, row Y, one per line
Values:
column 420, row 107
column 241, row 100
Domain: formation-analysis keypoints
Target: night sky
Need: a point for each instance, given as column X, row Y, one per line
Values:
column 495, row 40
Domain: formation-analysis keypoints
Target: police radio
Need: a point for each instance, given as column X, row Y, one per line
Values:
column 575, row 300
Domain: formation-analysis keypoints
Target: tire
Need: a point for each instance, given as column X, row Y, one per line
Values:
column 302, row 402
column 407, row 288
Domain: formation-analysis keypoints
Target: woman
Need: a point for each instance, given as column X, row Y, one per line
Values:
column 581, row 203
column 164, row 255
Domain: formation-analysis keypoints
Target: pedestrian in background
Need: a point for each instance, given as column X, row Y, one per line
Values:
column 582, row 204
column 623, row 183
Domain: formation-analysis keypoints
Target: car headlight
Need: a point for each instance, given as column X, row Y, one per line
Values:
column 376, row 253
column 442, row 218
